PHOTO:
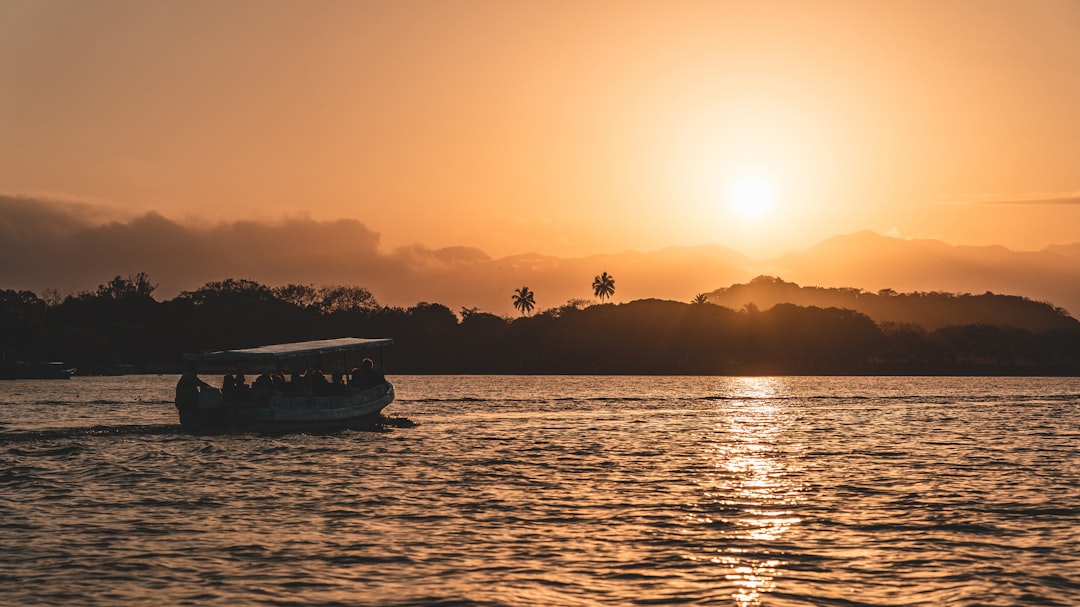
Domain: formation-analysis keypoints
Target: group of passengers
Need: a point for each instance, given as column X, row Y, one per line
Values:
column 313, row 382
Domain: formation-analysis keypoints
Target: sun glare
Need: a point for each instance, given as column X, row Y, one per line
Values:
column 751, row 196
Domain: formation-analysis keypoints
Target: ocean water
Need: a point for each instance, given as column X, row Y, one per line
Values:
column 494, row 490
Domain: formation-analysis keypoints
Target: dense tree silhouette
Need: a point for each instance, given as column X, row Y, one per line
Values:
column 524, row 300
column 326, row 299
column 603, row 286
column 301, row 296
column 137, row 286
column 345, row 299
column 22, row 324
column 120, row 327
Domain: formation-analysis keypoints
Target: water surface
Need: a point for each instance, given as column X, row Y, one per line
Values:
column 553, row 491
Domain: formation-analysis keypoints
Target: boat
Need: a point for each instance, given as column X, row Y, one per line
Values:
column 307, row 402
column 27, row 370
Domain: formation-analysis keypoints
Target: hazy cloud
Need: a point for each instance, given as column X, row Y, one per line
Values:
column 47, row 244
column 1059, row 198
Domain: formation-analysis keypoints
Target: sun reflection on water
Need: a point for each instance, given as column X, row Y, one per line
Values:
column 752, row 580
column 749, row 493
column 751, row 388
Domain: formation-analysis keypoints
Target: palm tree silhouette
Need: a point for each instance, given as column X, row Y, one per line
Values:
column 524, row 300
column 700, row 299
column 603, row 286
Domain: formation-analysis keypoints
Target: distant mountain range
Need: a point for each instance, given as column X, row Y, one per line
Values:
column 869, row 261
column 929, row 310
column 864, row 261
column 50, row 245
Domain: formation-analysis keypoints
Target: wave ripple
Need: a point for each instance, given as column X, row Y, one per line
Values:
column 491, row 491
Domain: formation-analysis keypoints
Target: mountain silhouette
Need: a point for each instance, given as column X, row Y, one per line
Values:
column 869, row 261
column 932, row 310
column 54, row 245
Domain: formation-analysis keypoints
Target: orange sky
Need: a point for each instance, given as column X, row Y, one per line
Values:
column 566, row 128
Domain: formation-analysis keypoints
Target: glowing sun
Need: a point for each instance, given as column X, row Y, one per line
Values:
column 751, row 196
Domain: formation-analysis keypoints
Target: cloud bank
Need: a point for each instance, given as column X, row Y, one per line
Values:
column 45, row 244
column 1056, row 198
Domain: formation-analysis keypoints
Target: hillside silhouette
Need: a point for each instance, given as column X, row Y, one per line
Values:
column 48, row 245
column 121, row 327
column 931, row 311
column 874, row 262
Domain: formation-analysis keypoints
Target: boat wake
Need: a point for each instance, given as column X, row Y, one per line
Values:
column 380, row 424
column 61, row 433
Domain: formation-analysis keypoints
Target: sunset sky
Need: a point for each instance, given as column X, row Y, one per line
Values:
column 567, row 128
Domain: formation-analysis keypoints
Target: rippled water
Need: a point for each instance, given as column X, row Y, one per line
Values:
column 553, row 491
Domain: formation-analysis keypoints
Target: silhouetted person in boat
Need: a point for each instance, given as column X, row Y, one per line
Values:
column 234, row 389
column 187, row 392
column 319, row 385
column 243, row 391
column 367, row 376
column 278, row 381
column 228, row 387
column 262, row 389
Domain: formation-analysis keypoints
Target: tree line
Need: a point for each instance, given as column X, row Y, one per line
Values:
column 121, row 327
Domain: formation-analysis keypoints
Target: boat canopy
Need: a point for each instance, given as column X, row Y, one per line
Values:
column 294, row 350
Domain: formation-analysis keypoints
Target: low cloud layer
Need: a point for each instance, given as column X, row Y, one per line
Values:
column 1059, row 198
column 46, row 244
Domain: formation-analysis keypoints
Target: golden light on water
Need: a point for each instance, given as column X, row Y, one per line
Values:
column 750, row 487
column 759, row 388
column 752, row 581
